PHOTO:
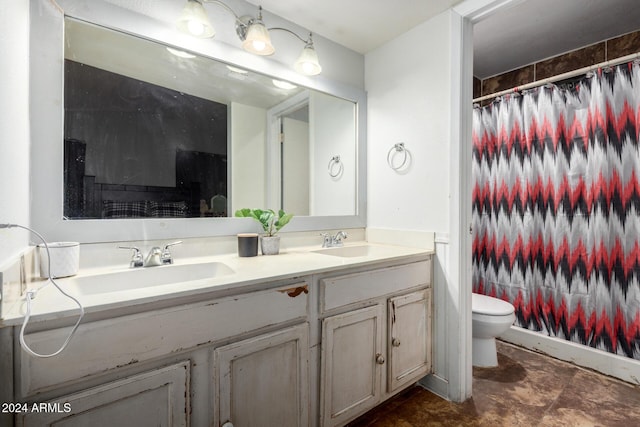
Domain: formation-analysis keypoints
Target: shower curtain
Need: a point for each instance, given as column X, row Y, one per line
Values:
column 556, row 208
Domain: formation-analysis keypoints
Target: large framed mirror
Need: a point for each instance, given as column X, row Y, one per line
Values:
column 161, row 140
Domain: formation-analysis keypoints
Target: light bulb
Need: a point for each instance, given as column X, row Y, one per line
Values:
column 194, row 20
column 196, row 28
column 308, row 67
column 257, row 39
column 259, row 45
column 308, row 63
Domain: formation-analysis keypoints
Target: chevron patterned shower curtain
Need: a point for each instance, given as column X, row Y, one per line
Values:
column 556, row 208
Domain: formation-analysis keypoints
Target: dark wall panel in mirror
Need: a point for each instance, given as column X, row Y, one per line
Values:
column 135, row 149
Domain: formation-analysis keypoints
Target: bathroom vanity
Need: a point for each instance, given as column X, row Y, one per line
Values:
column 307, row 338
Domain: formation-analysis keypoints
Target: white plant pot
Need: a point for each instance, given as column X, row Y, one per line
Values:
column 270, row 245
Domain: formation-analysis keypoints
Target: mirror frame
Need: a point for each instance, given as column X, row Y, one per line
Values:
column 47, row 127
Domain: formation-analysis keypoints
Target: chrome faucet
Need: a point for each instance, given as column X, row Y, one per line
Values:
column 166, row 257
column 136, row 258
column 335, row 241
column 155, row 257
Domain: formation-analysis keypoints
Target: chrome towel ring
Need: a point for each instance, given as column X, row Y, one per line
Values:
column 397, row 148
column 333, row 171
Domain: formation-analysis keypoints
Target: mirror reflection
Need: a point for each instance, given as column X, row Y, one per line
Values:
column 151, row 131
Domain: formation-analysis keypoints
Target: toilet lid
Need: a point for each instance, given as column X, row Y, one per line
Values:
column 484, row 304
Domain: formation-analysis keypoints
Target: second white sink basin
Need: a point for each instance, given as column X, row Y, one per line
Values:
column 353, row 251
column 137, row 278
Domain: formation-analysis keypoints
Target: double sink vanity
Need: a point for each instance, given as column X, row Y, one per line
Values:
column 311, row 337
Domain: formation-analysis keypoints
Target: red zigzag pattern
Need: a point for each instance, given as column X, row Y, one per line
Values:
column 556, row 209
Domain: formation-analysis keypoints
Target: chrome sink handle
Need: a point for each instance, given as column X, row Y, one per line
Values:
column 166, row 257
column 136, row 258
column 333, row 242
column 326, row 240
column 337, row 239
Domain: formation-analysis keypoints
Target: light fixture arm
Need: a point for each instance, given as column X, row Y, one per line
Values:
column 242, row 22
column 308, row 41
column 224, row 6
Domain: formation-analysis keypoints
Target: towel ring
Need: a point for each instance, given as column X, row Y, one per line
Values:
column 335, row 160
column 398, row 148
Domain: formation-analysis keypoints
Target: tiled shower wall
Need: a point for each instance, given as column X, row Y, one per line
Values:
column 580, row 58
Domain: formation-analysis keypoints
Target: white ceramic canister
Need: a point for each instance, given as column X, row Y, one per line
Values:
column 65, row 259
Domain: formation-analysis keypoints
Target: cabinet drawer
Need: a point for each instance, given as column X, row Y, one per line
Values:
column 351, row 288
column 103, row 345
column 159, row 397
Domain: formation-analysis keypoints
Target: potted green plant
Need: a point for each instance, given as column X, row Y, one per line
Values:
column 271, row 224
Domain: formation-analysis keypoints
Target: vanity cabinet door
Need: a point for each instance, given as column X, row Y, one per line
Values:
column 154, row 398
column 352, row 364
column 409, row 345
column 263, row 381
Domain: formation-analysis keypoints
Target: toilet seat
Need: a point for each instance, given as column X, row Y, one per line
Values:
column 489, row 306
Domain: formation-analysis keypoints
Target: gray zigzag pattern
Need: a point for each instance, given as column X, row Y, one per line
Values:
column 556, row 208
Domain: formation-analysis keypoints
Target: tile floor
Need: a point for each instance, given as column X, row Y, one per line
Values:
column 526, row 389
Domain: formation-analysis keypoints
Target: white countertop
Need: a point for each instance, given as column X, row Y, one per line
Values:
column 50, row 304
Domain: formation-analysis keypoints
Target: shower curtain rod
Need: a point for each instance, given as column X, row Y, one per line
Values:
column 562, row 76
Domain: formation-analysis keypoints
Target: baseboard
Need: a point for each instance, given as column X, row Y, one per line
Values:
column 436, row 385
column 610, row 364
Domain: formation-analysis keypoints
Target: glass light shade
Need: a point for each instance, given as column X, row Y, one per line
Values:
column 194, row 20
column 308, row 62
column 258, row 40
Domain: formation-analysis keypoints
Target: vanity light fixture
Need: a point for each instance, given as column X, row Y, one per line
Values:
column 251, row 31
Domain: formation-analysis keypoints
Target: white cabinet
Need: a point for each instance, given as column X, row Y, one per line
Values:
column 104, row 345
column 369, row 354
column 303, row 351
column 154, row 398
column 409, row 338
column 260, row 377
column 352, row 360
column 263, row 381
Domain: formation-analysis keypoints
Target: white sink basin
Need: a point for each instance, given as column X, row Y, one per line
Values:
column 353, row 251
column 137, row 278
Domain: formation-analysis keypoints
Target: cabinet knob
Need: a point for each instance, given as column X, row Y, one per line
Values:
column 395, row 342
column 227, row 424
column 379, row 359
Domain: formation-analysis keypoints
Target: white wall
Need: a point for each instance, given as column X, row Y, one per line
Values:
column 408, row 89
column 248, row 151
column 333, row 133
column 295, row 158
column 14, row 125
column 410, row 92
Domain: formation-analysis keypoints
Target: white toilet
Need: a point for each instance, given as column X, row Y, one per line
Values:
column 490, row 318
